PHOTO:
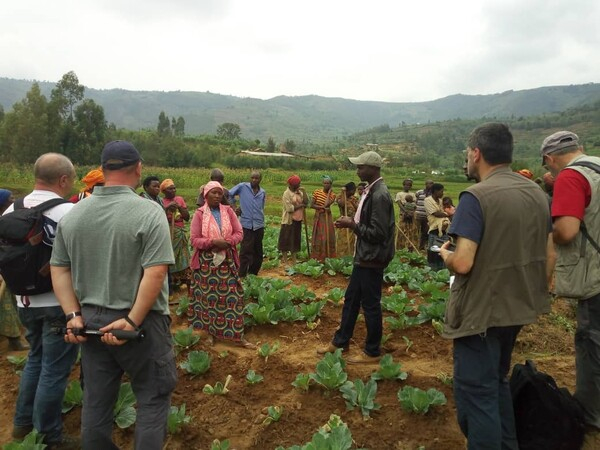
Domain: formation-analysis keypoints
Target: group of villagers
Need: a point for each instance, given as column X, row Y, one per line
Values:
column 325, row 242
column 211, row 272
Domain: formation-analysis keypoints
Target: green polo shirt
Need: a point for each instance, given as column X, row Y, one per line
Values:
column 107, row 240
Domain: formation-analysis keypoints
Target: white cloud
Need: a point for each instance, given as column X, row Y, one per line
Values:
column 381, row 50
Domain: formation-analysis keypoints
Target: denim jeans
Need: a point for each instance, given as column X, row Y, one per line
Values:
column 150, row 364
column 251, row 251
column 587, row 358
column 481, row 390
column 45, row 376
column 363, row 290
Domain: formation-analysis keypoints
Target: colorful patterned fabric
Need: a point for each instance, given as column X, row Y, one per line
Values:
column 182, row 256
column 9, row 320
column 217, row 305
column 323, row 230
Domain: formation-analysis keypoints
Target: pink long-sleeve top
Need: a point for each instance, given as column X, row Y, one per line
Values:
column 202, row 242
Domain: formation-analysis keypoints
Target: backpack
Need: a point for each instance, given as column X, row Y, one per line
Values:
column 24, row 257
column 546, row 416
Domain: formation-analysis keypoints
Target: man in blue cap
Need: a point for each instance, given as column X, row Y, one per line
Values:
column 113, row 277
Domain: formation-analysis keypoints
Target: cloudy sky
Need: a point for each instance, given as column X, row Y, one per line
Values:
column 396, row 50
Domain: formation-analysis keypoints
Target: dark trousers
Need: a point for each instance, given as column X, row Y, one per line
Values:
column 481, row 390
column 251, row 251
column 587, row 358
column 150, row 365
column 364, row 290
column 423, row 227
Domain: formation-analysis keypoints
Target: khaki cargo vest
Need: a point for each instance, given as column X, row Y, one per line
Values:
column 507, row 284
column 578, row 263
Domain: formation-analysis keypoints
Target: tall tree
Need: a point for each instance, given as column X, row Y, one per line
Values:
column 164, row 125
column 67, row 93
column 179, row 129
column 25, row 129
column 90, row 130
column 270, row 144
column 289, row 145
column 229, row 131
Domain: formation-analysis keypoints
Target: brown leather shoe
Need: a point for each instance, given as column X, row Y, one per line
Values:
column 330, row 348
column 363, row 358
column 19, row 432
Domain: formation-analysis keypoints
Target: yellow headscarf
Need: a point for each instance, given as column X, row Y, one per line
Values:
column 165, row 184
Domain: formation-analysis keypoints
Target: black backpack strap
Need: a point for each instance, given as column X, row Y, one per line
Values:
column 42, row 206
column 49, row 204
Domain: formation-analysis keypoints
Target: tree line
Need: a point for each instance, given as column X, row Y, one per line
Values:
column 76, row 126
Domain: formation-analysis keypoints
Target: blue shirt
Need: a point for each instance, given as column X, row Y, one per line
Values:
column 468, row 219
column 253, row 205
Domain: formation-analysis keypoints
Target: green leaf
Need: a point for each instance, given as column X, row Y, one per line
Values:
column 177, row 419
column 218, row 445
column 124, row 412
column 310, row 311
column 330, row 371
column 185, row 338
column 359, row 394
column 302, row 381
column 388, row 370
column 73, row 396
column 197, row 363
column 418, row 401
column 252, row 377
column 125, row 417
column 18, row 361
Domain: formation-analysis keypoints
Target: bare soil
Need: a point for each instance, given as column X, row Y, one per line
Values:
column 238, row 416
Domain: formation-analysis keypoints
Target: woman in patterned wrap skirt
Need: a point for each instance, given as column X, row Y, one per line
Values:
column 218, row 298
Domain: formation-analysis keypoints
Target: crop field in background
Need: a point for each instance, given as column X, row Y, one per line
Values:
column 274, row 181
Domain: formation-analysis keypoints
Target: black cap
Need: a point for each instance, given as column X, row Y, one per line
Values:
column 119, row 154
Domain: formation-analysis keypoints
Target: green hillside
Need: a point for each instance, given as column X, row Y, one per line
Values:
column 307, row 119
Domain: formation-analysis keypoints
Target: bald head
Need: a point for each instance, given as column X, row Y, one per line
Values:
column 49, row 167
column 54, row 172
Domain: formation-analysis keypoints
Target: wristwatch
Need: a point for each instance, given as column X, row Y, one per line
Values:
column 72, row 315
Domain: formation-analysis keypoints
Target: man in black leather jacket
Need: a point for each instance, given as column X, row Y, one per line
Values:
column 373, row 225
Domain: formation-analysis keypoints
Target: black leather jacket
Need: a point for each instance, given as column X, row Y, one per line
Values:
column 375, row 232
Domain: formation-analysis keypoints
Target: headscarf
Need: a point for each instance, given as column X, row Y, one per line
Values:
column 210, row 227
column 165, row 184
column 327, row 177
column 526, row 173
column 4, row 196
column 93, row 178
column 210, row 186
column 294, row 180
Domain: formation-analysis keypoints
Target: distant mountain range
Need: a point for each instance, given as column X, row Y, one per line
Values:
column 308, row 118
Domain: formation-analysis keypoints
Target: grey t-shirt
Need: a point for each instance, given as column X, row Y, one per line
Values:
column 107, row 240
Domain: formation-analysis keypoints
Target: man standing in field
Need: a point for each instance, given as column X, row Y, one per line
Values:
column 576, row 216
column 252, row 203
column 502, row 227
column 373, row 224
column 113, row 277
column 50, row 359
column 421, row 213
